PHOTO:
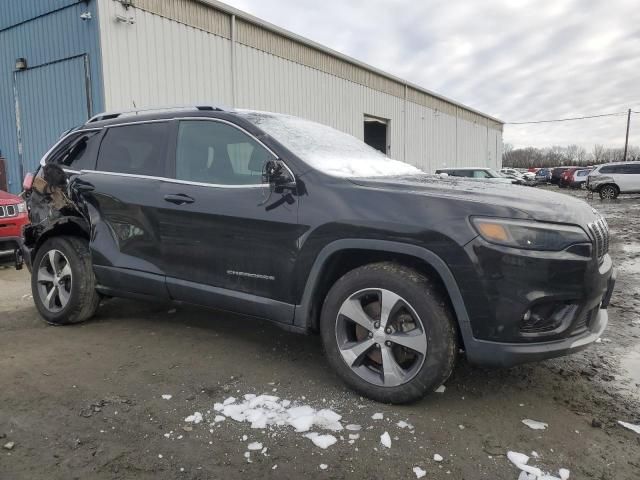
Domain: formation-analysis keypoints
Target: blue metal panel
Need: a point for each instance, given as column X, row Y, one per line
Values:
column 13, row 12
column 65, row 110
column 49, row 38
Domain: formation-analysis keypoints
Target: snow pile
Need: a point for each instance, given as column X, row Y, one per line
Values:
column 377, row 416
column 385, row 440
column 527, row 472
column 166, row 397
column 322, row 441
column 195, row 418
column 630, row 426
column 419, row 472
column 437, row 457
column 534, row 424
column 262, row 411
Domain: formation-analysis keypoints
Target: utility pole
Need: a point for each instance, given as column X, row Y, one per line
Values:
column 626, row 142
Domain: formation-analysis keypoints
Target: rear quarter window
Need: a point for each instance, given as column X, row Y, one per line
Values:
column 77, row 152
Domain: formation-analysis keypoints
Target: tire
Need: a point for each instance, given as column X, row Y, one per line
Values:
column 609, row 192
column 75, row 298
column 416, row 303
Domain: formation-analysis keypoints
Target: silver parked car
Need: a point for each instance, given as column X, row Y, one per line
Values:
column 612, row 179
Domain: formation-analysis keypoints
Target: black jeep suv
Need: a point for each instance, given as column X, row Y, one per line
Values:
column 281, row 218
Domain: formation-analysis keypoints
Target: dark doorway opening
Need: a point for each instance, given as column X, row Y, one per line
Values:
column 375, row 133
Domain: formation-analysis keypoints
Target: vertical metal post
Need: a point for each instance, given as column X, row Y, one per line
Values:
column 626, row 142
column 18, row 127
column 404, row 133
column 234, row 98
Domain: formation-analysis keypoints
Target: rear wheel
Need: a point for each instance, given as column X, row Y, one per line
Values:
column 388, row 333
column 608, row 192
column 62, row 281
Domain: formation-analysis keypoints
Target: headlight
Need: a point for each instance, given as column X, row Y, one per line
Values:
column 529, row 235
column 22, row 207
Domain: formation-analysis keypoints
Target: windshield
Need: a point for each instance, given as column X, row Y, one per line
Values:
column 327, row 149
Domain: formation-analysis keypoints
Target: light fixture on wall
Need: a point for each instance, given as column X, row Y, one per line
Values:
column 21, row 63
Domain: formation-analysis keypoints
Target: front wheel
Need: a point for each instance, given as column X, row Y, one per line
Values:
column 389, row 333
column 609, row 192
column 62, row 281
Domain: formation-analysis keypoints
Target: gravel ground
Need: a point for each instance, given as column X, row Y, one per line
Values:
column 86, row 401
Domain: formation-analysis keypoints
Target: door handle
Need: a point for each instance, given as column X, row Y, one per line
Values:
column 179, row 199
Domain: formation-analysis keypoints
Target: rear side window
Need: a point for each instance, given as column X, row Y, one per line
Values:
column 611, row 169
column 77, row 152
column 632, row 168
column 139, row 149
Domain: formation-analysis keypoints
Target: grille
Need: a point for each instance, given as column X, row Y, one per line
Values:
column 8, row 211
column 600, row 231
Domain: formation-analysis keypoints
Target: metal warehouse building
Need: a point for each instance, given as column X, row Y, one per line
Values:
column 61, row 61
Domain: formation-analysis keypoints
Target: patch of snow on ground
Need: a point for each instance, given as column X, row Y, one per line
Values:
column 441, row 389
column 195, row 418
column 437, row 457
column 534, row 424
column 166, row 397
column 262, row 411
column 322, row 441
column 385, row 440
column 403, row 424
column 533, row 473
column 255, row 446
column 630, row 426
column 377, row 416
column 353, row 428
column 323, row 466
column 419, row 472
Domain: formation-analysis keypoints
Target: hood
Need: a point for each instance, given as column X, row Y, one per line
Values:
column 9, row 199
column 541, row 205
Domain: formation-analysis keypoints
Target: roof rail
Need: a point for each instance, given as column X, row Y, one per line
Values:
column 111, row 115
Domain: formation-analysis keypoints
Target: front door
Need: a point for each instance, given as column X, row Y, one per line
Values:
column 224, row 232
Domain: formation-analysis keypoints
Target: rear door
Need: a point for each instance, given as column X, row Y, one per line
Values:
column 228, row 240
column 122, row 197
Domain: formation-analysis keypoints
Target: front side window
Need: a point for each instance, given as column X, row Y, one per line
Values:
column 139, row 149
column 72, row 153
column 481, row 174
column 218, row 153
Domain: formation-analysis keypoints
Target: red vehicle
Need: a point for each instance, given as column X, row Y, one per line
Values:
column 566, row 178
column 13, row 216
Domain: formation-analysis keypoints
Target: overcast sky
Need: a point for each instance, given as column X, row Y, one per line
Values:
column 518, row 60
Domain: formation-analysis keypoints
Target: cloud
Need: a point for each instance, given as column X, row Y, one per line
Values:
column 517, row 60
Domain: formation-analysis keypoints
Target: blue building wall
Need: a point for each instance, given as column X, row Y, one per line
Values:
column 54, row 94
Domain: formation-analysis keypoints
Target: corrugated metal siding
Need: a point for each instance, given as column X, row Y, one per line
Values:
column 13, row 12
column 190, row 13
column 157, row 61
column 53, row 37
column 270, row 42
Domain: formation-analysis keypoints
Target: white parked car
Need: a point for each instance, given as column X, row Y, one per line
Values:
column 612, row 179
column 477, row 173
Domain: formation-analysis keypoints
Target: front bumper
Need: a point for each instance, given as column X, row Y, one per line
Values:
column 495, row 354
column 507, row 284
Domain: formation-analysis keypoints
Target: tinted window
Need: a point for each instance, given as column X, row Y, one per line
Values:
column 75, row 152
column 481, row 174
column 632, row 169
column 218, row 153
column 135, row 149
column 611, row 169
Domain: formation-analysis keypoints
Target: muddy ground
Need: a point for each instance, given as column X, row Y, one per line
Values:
column 86, row 401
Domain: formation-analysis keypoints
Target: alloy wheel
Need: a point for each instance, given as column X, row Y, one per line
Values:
column 608, row 192
column 381, row 337
column 54, row 280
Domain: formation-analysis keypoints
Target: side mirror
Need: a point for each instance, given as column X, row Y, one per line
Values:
column 278, row 175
